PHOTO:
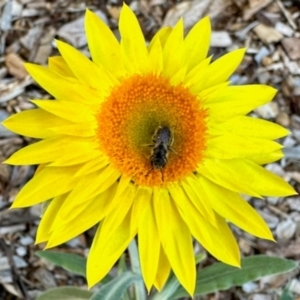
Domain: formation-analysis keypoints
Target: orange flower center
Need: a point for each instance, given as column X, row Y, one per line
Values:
column 152, row 131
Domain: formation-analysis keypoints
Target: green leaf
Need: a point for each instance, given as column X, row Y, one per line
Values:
column 139, row 288
column 168, row 290
column 116, row 287
column 286, row 295
column 65, row 293
column 70, row 262
column 222, row 277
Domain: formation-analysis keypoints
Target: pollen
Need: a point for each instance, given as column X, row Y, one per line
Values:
column 129, row 118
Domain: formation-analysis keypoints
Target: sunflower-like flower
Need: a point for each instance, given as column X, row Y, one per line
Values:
column 147, row 140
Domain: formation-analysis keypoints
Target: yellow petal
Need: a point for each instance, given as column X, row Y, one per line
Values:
column 228, row 146
column 173, row 59
column 149, row 246
column 92, row 166
column 246, row 177
column 84, row 190
column 74, row 112
column 192, row 189
column 216, row 239
column 219, row 71
column 235, row 209
column 237, row 100
column 164, row 270
column 58, row 64
column 32, row 123
column 162, row 35
column 83, row 216
column 44, row 228
column 262, row 159
column 189, row 78
column 252, row 127
column 176, row 239
column 156, row 58
column 52, row 82
column 115, row 218
column 53, row 149
column 133, row 43
column 79, row 63
column 197, row 42
column 106, row 250
column 77, row 129
column 140, row 204
column 103, row 45
column 46, row 184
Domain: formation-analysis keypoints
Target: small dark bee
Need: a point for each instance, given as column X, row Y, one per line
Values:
column 163, row 140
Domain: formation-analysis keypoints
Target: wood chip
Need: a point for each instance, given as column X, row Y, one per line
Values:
column 254, row 7
column 220, row 39
column 267, row 34
column 15, row 66
column 292, row 47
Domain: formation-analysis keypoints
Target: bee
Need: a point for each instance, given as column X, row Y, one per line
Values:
column 163, row 140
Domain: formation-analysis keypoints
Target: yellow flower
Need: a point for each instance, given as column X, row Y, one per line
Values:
column 147, row 140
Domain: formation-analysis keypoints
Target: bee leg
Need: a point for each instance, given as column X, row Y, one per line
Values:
column 172, row 150
column 162, row 175
column 149, row 171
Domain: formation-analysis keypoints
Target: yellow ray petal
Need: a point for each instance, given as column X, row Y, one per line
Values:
column 195, row 70
column 262, row 159
column 197, row 42
column 246, row 177
column 84, row 216
column 219, row 71
column 141, row 202
column 52, row 149
column 77, row 129
column 235, row 209
column 149, row 246
column 217, row 239
column 52, row 82
column 91, row 166
column 173, row 59
column 162, row 35
column 164, row 270
column 43, row 231
column 156, row 58
column 176, row 239
column 81, row 155
column 103, row 45
column 228, row 146
column 106, row 250
column 91, row 185
column 75, row 112
column 79, row 63
column 58, row 65
column 46, row 184
column 193, row 190
column 237, row 100
column 212, row 92
column 133, row 43
column 32, row 123
column 116, row 217
column 252, row 127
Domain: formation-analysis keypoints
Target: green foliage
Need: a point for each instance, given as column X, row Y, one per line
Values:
column 220, row 277
column 116, row 288
column 286, row 295
column 66, row 293
column 210, row 279
column 70, row 262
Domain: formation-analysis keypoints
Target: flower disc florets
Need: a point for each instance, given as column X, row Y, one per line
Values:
column 129, row 118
